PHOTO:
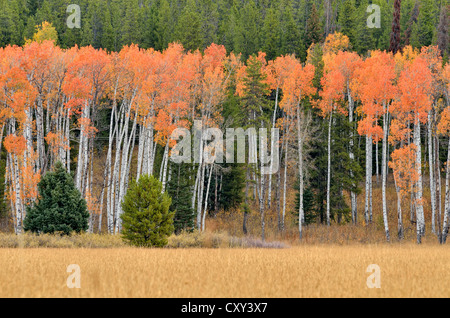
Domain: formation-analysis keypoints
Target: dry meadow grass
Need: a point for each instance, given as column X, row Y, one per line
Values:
column 329, row 262
column 407, row 270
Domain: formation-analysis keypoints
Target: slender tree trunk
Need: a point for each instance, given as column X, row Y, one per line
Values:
column 368, row 178
column 447, row 198
column 437, row 167
column 353, row 195
column 384, row 173
column 420, row 221
column 377, row 167
column 400, row 232
column 244, row 222
column 300, row 175
column 272, row 146
column 432, row 180
column 205, row 211
column 278, row 198
column 329, row 170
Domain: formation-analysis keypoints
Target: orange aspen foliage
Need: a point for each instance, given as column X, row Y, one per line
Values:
column 15, row 144
column 374, row 86
column 415, row 89
column 403, row 165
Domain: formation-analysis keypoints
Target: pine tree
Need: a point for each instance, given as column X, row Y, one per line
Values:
column 395, row 34
column 443, row 38
column 425, row 23
column 107, row 40
column 210, row 18
column 60, row 207
column 247, row 31
column 414, row 15
column 347, row 21
column 180, row 188
column 291, row 38
column 188, row 29
column 131, row 26
column 314, row 31
column 364, row 41
column 150, row 18
column 233, row 182
column 165, row 25
column 146, row 218
column 271, row 34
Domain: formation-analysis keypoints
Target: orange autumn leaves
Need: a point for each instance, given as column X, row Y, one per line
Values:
column 166, row 90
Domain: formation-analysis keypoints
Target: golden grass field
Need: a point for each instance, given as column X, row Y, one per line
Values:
column 329, row 262
column 407, row 270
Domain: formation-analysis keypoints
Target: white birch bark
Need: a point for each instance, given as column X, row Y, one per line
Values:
column 432, row 180
column 284, row 183
column 300, row 174
column 353, row 196
column 420, row 220
column 205, row 211
column 445, row 225
column 384, row 171
column 368, row 178
column 329, row 170
column 272, row 147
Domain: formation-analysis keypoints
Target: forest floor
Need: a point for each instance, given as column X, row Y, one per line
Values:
column 405, row 270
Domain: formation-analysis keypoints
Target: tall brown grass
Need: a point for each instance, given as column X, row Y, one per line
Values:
column 343, row 233
column 305, row 271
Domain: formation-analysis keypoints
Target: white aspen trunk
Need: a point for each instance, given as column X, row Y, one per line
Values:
column 205, row 211
column 81, row 151
column 200, row 183
column 371, row 184
column 447, row 198
column 28, row 137
column 439, row 184
column 89, row 184
column 384, row 172
column 140, row 157
column 399, row 212
column 146, row 145
column 278, row 195
column 150, row 150
column 107, row 174
column 194, row 195
column 420, row 221
column 284, row 184
column 368, row 178
column 1, row 136
column 152, row 154
column 432, row 180
column 130, row 158
column 272, row 146
column 261, row 208
column 262, row 154
column 40, row 133
column 200, row 196
column 353, row 196
column 115, row 187
column 300, row 175
column 16, row 184
column 377, row 167
column 68, row 141
column 165, row 167
column 18, row 195
column 84, row 182
column 123, row 174
column 329, row 170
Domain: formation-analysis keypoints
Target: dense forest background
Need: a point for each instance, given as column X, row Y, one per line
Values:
column 275, row 27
